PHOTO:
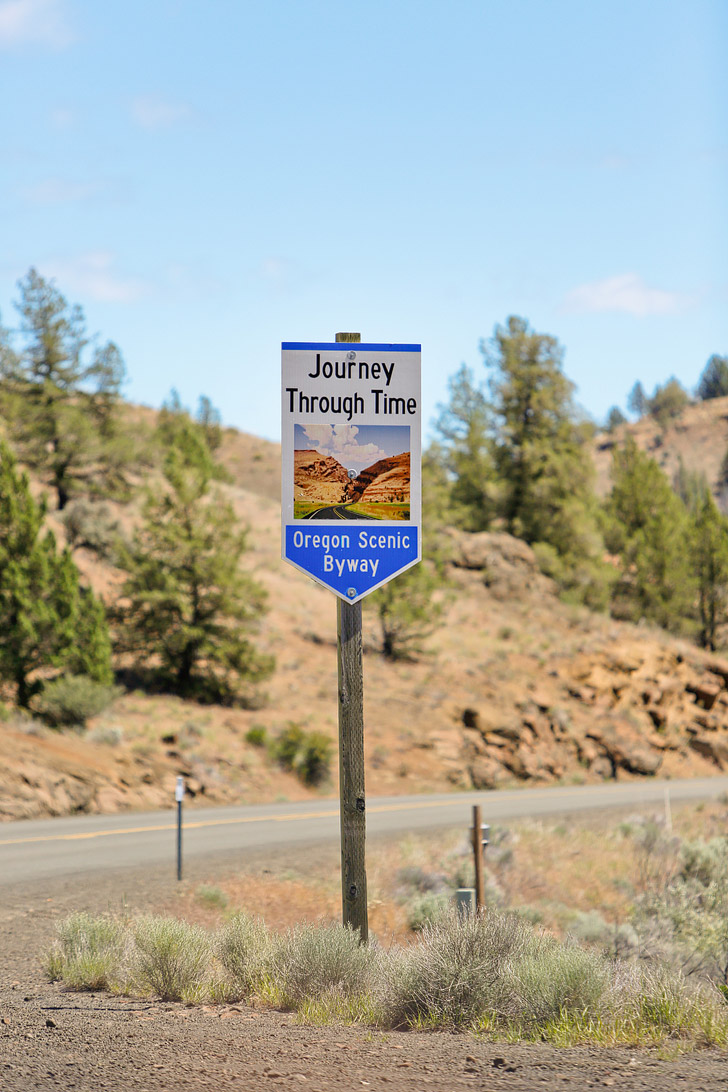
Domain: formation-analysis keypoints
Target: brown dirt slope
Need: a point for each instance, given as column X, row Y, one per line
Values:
column 515, row 688
column 699, row 436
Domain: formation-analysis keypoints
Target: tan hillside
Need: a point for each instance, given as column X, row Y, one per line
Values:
column 699, row 436
column 515, row 688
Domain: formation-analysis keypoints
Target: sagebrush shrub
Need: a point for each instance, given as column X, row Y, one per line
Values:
column 244, row 949
column 552, row 980
column 169, row 957
column 310, row 961
column 71, row 700
column 450, row 975
column 92, row 524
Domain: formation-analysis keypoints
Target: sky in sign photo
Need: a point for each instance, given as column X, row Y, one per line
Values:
column 354, row 446
column 209, row 180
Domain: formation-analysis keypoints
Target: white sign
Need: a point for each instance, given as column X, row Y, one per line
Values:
column 179, row 790
column 351, row 449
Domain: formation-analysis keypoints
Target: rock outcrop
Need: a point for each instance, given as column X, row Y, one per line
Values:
column 386, row 481
column 318, row 477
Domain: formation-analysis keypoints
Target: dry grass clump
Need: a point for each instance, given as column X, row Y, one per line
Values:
column 87, row 952
column 494, row 973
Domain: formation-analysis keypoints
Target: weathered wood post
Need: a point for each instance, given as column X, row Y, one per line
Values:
column 351, row 759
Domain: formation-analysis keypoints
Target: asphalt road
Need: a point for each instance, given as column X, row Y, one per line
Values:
column 337, row 511
column 40, row 849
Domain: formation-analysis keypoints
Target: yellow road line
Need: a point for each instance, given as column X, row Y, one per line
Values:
column 377, row 808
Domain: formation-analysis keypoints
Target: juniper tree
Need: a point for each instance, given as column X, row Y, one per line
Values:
column 647, row 527
column 667, row 402
column 464, row 450
column 47, row 620
column 186, row 605
column 709, row 561
column 407, row 610
column 713, row 382
column 542, row 458
column 61, row 403
column 637, row 400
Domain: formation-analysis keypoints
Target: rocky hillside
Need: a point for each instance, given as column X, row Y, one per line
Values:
column 387, row 480
column 698, row 437
column 515, row 688
column 318, row 478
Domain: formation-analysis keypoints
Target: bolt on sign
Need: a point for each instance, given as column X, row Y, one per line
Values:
column 351, row 448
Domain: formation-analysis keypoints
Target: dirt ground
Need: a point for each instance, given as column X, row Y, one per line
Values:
column 53, row 1039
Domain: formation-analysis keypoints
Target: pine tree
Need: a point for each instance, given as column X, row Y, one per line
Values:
column 61, row 408
column 542, row 459
column 709, row 560
column 647, row 526
column 185, row 601
column 407, row 610
column 637, row 400
column 47, row 620
column 667, row 402
column 713, row 382
column 463, row 449
column 614, row 419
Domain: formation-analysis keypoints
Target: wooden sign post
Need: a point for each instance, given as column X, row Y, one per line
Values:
column 352, row 799
column 351, row 517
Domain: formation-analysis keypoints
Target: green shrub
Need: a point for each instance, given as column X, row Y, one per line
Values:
column 244, row 949
column 426, row 909
column 73, row 699
column 211, row 896
column 257, row 735
column 308, row 754
column 86, row 953
column 169, row 957
column 311, row 961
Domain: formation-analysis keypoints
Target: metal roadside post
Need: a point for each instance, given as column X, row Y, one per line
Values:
column 347, row 415
column 179, row 792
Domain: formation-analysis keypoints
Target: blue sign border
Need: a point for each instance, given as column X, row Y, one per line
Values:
column 345, row 346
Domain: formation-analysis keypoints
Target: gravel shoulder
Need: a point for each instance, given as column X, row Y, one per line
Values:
column 53, row 1039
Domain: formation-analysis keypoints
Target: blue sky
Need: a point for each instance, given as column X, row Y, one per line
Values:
column 356, row 447
column 209, row 180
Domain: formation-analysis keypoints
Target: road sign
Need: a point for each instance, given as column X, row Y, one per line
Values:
column 351, row 449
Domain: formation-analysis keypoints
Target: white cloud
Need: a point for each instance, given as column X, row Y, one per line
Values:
column 152, row 112
column 34, row 22
column 626, row 293
column 339, row 441
column 92, row 276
